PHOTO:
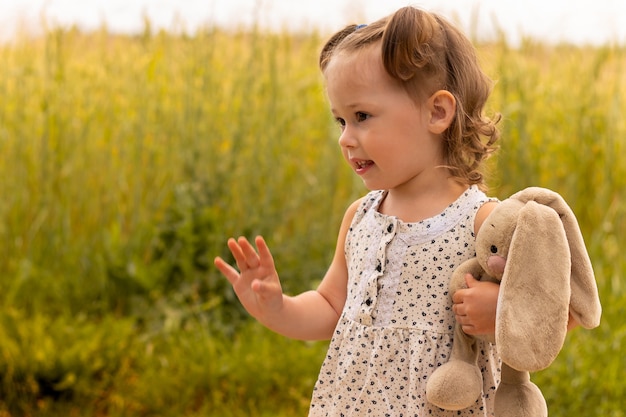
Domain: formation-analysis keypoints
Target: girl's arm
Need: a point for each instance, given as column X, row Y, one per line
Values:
column 311, row 315
column 475, row 306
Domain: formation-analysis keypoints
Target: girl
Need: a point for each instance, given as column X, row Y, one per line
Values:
column 408, row 95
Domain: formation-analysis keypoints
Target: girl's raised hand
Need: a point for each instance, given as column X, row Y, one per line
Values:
column 256, row 283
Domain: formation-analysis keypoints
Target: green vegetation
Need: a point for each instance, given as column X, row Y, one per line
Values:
column 128, row 161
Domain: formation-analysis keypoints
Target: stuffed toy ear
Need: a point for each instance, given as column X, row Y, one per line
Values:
column 532, row 312
column 584, row 303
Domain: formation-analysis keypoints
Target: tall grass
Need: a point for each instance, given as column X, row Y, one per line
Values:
column 128, row 160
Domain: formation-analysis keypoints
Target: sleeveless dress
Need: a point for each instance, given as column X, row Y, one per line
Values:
column 397, row 324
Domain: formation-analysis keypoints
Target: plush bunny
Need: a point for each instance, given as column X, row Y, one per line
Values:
column 531, row 244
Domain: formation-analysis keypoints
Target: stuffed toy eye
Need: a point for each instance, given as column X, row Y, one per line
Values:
column 494, row 249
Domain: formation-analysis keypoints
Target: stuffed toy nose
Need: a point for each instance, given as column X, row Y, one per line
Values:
column 496, row 265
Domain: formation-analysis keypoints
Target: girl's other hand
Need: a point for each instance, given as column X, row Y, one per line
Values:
column 256, row 283
column 475, row 306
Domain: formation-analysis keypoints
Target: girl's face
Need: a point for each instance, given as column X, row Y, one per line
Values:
column 385, row 134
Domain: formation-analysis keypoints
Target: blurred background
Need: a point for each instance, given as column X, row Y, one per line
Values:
column 577, row 21
column 137, row 136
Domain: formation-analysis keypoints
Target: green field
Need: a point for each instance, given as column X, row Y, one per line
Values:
column 127, row 161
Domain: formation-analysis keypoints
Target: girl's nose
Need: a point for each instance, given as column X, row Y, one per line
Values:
column 347, row 139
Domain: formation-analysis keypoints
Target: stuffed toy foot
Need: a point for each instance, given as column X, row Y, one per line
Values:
column 454, row 385
column 458, row 383
column 517, row 396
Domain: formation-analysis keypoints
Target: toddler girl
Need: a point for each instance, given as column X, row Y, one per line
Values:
column 408, row 95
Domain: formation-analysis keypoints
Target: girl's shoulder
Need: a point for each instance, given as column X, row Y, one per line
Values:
column 355, row 210
column 487, row 206
column 476, row 205
column 368, row 202
column 483, row 212
column 372, row 199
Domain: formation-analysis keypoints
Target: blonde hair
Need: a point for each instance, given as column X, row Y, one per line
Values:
column 426, row 53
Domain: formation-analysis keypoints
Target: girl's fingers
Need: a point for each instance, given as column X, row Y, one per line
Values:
column 228, row 271
column 249, row 253
column 246, row 257
column 265, row 255
column 235, row 249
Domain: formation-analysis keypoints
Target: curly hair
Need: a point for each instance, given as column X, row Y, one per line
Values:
column 426, row 53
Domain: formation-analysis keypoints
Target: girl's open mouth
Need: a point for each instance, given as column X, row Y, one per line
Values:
column 362, row 166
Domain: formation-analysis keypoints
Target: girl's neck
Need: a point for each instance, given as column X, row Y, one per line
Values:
column 412, row 206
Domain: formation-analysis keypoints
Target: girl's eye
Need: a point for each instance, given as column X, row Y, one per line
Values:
column 340, row 122
column 361, row 117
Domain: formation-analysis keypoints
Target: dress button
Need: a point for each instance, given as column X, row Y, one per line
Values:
column 390, row 228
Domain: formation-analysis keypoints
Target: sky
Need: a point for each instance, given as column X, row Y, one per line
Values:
column 576, row 21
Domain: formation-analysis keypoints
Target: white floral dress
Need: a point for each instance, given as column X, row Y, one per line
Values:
column 397, row 324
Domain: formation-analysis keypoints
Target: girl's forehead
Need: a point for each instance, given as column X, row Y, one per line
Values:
column 360, row 79
column 363, row 65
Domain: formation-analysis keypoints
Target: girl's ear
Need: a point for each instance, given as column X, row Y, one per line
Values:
column 442, row 108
